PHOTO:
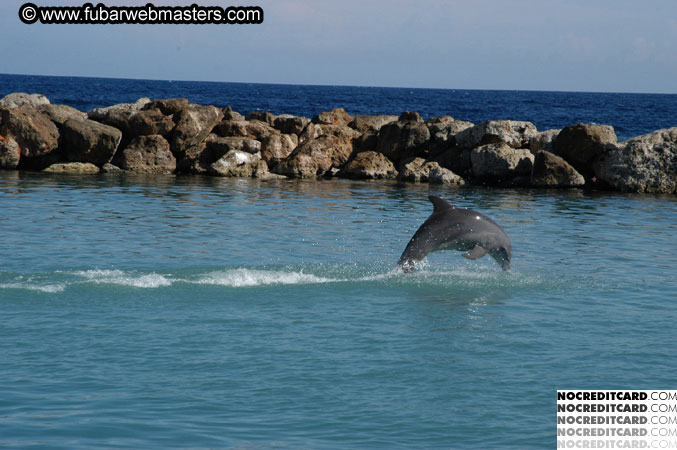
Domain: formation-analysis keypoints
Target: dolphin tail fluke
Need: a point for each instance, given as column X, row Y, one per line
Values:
column 477, row 252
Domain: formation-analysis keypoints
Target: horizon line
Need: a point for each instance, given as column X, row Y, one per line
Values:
column 335, row 85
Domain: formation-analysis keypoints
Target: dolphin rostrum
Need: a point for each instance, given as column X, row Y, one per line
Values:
column 451, row 228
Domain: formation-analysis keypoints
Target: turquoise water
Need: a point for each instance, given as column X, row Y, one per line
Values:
column 201, row 312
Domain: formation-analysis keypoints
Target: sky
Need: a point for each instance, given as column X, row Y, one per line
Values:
column 561, row 45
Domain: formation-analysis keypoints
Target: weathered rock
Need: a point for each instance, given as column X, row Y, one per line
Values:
column 456, row 159
column 35, row 134
column 229, row 114
column 138, row 123
column 254, row 129
column 99, row 114
column 337, row 116
column 22, row 99
column 369, row 165
column 514, row 133
column 196, row 159
column 440, row 175
column 236, row 163
column 420, row 170
column 551, row 170
column 59, row 114
column 148, row 122
column 402, row 139
column 545, row 140
column 263, row 116
column 262, row 172
column 410, row 116
column 580, row 144
column 89, row 141
column 73, row 167
column 110, row 168
column 222, row 145
column 316, row 157
column 277, row 147
column 370, row 124
column 645, row 163
column 168, row 106
column 443, row 129
column 147, row 154
column 10, row 153
column 314, row 131
column 288, row 124
column 500, row 162
column 193, row 125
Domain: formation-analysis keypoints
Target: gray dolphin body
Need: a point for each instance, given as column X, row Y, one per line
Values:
column 451, row 228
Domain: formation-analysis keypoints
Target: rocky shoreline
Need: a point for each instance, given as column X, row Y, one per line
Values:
column 175, row 136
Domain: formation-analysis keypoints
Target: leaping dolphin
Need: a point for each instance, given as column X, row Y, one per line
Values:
column 451, row 228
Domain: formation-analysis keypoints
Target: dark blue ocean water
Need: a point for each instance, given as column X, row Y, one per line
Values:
column 630, row 114
column 199, row 312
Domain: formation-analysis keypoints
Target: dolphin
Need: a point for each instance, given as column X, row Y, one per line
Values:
column 451, row 228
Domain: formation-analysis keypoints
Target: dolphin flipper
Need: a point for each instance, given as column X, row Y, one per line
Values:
column 477, row 252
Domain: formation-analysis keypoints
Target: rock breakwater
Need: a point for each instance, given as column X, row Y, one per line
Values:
column 178, row 137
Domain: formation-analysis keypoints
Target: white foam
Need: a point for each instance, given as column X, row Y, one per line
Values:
column 119, row 277
column 49, row 288
column 250, row 277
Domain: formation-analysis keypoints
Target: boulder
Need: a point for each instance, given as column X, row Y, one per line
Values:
column 229, row 114
column 99, row 114
column 36, row 135
column 254, row 129
column 456, row 159
column 369, row 165
column 22, row 99
column 263, row 116
column 337, row 116
column 138, row 123
column 74, row 167
column 410, row 116
column 288, row 124
column 148, row 122
column 513, row 133
column 59, row 114
column 147, row 154
column 420, row 170
column 168, row 106
column 444, row 129
column 316, row 157
column 110, row 168
column 370, row 124
column 277, row 147
column 89, row 141
column 198, row 158
column 193, row 125
column 500, row 162
column 543, row 141
column 645, row 163
column 553, row 171
column 582, row 143
column 402, row 139
column 195, row 159
column 219, row 146
column 314, row 131
column 237, row 163
column 440, row 175
column 10, row 153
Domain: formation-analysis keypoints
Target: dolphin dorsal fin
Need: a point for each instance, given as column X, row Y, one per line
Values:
column 440, row 204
